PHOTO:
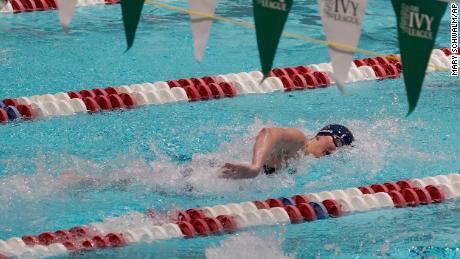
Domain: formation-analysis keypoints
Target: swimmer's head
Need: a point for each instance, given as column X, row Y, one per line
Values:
column 328, row 139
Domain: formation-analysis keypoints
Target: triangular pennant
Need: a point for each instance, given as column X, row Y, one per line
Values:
column 201, row 26
column 418, row 23
column 342, row 20
column 269, row 18
column 131, row 11
column 66, row 10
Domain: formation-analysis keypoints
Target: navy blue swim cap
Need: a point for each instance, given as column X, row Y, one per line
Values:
column 341, row 134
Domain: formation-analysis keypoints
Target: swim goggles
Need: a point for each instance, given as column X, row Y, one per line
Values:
column 338, row 142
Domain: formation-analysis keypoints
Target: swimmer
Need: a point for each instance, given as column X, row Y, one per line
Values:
column 275, row 146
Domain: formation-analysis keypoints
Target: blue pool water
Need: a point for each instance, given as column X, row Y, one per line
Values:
column 153, row 146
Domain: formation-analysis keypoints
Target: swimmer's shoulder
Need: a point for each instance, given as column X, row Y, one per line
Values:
column 290, row 134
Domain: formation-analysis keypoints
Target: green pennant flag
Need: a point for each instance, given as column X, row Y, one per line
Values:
column 131, row 11
column 418, row 23
column 269, row 18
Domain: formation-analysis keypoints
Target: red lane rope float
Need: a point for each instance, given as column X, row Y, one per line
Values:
column 91, row 104
column 104, row 102
column 307, row 211
column 411, row 197
column 109, row 2
column 204, row 92
column 261, row 205
column 73, row 95
column 30, row 5
column 88, row 93
column 3, row 116
column 204, row 226
column 26, row 111
column 204, row 88
column 192, row 93
column 17, row 5
column 20, row 6
column 215, row 225
column 299, row 81
column 300, row 199
column 398, row 199
column 403, row 193
column 379, row 188
column 116, row 101
column 75, row 241
column 447, row 51
column 288, row 83
column 333, row 208
column 174, row 83
column 379, row 71
column 198, row 81
column 52, row 4
column 313, row 81
column 217, row 91
column 405, row 184
column 10, row 102
column 273, row 203
column 104, row 99
column 392, row 186
column 228, row 88
column 366, row 190
column 110, row 240
column 294, row 214
column 436, row 194
column 100, row 91
column 42, row 5
column 128, row 100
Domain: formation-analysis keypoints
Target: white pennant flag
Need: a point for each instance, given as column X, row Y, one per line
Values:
column 342, row 20
column 3, row 3
column 66, row 9
column 201, row 26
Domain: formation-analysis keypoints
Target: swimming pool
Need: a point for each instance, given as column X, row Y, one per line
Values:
column 152, row 146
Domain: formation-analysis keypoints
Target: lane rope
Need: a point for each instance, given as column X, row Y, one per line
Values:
column 228, row 218
column 204, row 88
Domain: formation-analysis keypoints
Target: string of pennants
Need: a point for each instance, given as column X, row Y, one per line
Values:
column 417, row 25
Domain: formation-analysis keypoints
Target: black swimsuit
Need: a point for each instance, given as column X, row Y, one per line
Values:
column 269, row 170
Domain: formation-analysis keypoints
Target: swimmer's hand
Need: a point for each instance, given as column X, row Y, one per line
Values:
column 239, row 171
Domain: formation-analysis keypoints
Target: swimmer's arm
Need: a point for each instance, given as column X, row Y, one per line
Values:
column 268, row 141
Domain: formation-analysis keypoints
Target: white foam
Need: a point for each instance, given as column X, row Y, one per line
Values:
column 379, row 142
column 248, row 245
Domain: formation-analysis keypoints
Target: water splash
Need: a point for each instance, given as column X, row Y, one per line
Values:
column 249, row 245
column 381, row 145
column 378, row 144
